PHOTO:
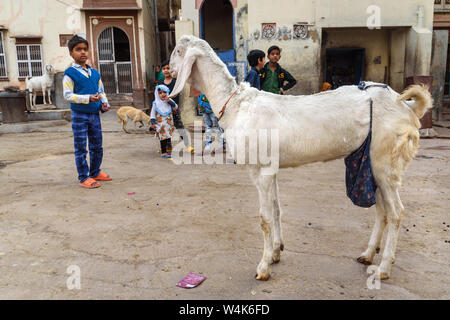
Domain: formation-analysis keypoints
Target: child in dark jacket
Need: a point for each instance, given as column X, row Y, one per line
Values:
column 256, row 59
column 273, row 76
column 84, row 89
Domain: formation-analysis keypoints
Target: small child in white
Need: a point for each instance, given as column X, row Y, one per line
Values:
column 162, row 118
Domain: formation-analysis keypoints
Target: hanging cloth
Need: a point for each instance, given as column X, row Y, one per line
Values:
column 361, row 185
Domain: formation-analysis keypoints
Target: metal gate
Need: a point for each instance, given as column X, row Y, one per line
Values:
column 117, row 77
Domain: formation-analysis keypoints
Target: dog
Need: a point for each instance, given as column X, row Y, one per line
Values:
column 132, row 113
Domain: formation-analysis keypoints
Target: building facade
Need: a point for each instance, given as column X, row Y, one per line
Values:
column 441, row 60
column 122, row 36
column 341, row 42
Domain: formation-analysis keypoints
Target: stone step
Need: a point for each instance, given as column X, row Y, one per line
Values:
column 446, row 114
column 47, row 115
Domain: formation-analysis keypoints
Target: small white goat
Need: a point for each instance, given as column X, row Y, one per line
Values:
column 313, row 128
column 43, row 83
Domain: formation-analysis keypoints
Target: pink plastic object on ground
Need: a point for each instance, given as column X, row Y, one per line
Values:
column 192, row 280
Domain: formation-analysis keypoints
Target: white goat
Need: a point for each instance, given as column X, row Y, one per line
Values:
column 313, row 128
column 43, row 83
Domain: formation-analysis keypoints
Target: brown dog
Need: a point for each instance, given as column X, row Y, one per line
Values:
column 135, row 114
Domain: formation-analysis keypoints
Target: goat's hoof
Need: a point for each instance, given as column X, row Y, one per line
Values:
column 377, row 250
column 275, row 260
column 262, row 277
column 364, row 260
column 282, row 247
column 384, row 276
column 276, row 256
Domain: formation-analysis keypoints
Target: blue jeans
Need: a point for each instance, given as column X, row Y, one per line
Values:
column 86, row 126
column 212, row 125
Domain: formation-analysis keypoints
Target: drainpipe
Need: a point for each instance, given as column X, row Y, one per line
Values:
column 420, row 16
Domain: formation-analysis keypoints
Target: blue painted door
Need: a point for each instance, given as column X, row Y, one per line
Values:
column 228, row 57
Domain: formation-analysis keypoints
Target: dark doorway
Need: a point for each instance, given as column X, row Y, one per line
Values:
column 217, row 28
column 344, row 66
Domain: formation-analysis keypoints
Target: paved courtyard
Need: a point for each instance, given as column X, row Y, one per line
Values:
column 204, row 219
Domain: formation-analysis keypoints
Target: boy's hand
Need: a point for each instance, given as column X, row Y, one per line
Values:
column 105, row 107
column 94, row 98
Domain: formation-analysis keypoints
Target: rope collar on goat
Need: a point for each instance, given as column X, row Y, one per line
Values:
column 221, row 113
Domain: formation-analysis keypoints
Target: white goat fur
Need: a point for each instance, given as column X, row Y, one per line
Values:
column 43, row 83
column 313, row 128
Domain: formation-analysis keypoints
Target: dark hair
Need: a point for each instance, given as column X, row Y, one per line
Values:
column 273, row 48
column 165, row 63
column 254, row 56
column 76, row 40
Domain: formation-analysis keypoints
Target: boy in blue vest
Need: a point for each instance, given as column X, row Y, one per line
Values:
column 256, row 59
column 83, row 87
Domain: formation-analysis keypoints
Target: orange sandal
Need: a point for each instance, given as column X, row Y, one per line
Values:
column 103, row 177
column 90, row 184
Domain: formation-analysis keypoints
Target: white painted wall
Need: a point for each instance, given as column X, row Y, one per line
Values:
column 46, row 18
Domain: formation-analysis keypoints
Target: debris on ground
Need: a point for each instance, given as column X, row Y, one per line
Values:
column 192, row 280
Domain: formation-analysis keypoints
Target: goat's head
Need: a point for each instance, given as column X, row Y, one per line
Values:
column 185, row 54
column 49, row 69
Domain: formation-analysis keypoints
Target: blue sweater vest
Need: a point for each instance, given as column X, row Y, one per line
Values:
column 84, row 86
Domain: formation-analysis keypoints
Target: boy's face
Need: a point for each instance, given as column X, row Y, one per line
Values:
column 274, row 56
column 261, row 62
column 80, row 53
column 166, row 71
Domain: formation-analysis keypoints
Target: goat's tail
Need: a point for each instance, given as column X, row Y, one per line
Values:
column 421, row 96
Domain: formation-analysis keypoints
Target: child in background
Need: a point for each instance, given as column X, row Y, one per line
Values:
column 256, row 59
column 159, row 76
column 273, row 76
column 169, row 82
column 211, row 124
column 83, row 87
column 162, row 118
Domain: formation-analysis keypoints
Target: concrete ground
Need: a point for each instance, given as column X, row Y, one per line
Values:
column 204, row 219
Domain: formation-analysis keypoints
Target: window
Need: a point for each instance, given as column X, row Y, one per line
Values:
column 29, row 60
column 3, row 71
column 441, row 5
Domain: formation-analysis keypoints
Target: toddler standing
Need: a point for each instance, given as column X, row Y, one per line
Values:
column 162, row 118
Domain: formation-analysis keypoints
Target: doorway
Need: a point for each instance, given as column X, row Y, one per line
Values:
column 344, row 66
column 217, row 28
column 114, row 57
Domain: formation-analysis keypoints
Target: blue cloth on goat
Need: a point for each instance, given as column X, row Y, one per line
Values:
column 361, row 186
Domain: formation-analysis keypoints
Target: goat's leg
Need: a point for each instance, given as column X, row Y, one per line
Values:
column 278, row 244
column 394, row 209
column 43, row 95
column 265, row 184
column 49, row 93
column 30, row 96
column 377, row 231
column 34, row 99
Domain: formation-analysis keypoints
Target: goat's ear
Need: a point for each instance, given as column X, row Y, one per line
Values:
column 185, row 71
